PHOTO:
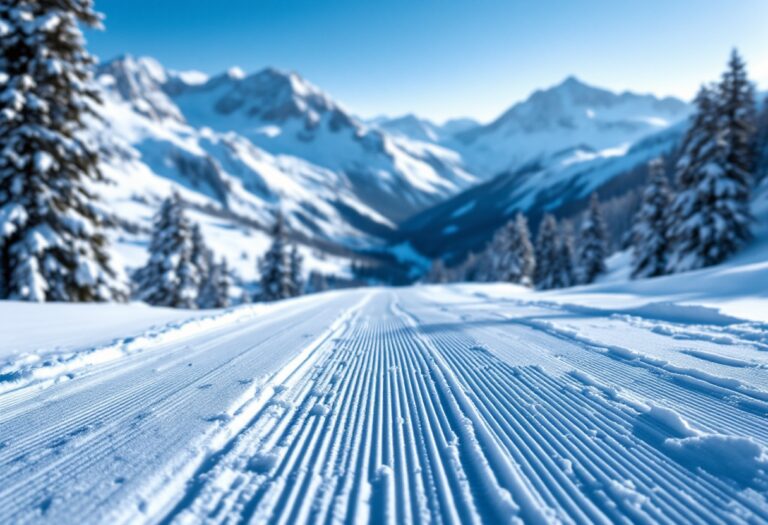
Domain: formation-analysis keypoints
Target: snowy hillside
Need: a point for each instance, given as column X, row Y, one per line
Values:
column 284, row 114
column 414, row 127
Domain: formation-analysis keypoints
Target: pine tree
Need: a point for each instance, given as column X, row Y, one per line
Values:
column 547, row 254
column 592, row 244
column 710, row 215
column 761, row 142
column 214, row 290
column 297, row 280
column 170, row 277
column 201, row 256
column 482, row 270
column 471, row 269
column 738, row 124
column 512, row 253
column 275, row 266
column 650, row 235
column 565, row 274
column 52, row 245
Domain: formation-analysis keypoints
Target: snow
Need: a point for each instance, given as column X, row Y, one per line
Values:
column 485, row 402
column 569, row 116
column 223, row 172
column 622, row 401
column 464, row 209
column 28, row 327
column 236, row 73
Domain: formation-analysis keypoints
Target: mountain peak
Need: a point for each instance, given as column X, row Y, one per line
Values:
column 572, row 81
column 140, row 81
column 131, row 65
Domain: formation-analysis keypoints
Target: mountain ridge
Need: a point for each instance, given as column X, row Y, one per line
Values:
column 256, row 142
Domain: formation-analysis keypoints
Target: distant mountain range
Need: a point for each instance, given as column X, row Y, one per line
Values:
column 241, row 146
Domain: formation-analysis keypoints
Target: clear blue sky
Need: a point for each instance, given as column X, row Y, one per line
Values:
column 446, row 58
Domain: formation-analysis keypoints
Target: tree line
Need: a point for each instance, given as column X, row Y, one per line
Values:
column 552, row 261
column 181, row 271
column 700, row 221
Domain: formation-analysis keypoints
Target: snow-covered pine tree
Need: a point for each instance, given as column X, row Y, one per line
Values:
column 710, row 215
column 738, row 123
column 214, row 290
column 547, row 254
column 297, row 279
column 650, row 235
column 514, row 259
column 169, row 278
column 483, row 264
column 52, row 246
column 201, row 256
column 592, row 244
column 761, row 166
column 275, row 265
column 565, row 274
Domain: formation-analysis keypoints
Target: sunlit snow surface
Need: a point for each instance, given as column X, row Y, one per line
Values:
column 640, row 402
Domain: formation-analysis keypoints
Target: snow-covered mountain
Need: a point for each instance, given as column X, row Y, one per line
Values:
column 241, row 146
column 418, row 128
column 571, row 118
column 562, row 180
column 542, row 154
column 284, row 114
column 151, row 149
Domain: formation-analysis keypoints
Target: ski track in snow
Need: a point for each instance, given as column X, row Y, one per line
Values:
column 400, row 406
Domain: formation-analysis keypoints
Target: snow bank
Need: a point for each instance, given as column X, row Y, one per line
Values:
column 28, row 327
column 55, row 365
column 739, row 458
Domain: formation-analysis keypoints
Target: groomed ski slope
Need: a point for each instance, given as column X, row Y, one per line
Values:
column 414, row 405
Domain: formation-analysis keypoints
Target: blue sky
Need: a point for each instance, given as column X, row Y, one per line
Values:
column 446, row 58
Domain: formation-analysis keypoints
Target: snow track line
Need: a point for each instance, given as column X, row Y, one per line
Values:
column 386, row 409
column 350, row 460
column 532, row 508
column 247, row 413
column 168, row 395
column 47, row 372
column 743, row 409
column 492, row 382
column 113, row 404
